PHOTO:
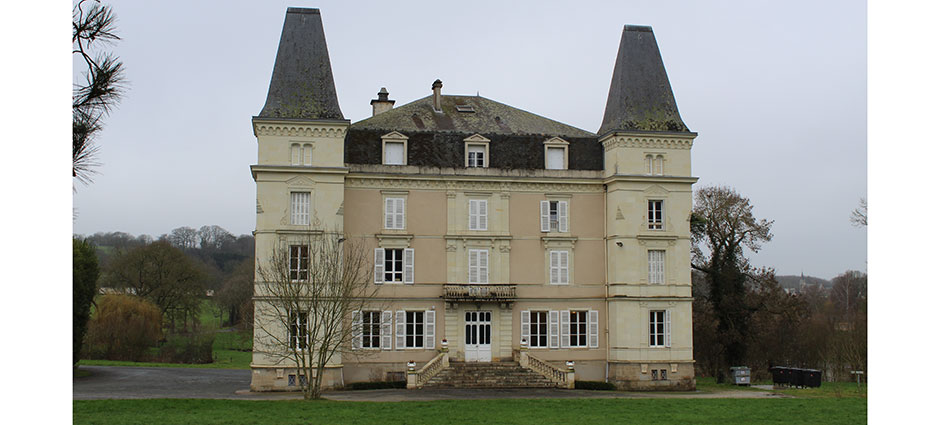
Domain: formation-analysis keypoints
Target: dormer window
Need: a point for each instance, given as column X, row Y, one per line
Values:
column 477, row 151
column 394, row 149
column 556, row 154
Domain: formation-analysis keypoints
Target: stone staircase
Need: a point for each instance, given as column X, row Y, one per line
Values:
column 488, row 375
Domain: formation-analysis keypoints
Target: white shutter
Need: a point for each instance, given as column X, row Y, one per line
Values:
column 563, row 216
column 386, row 330
column 429, row 330
column 563, row 267
column 525, row 328
column 543, row 207
column 473, row 271
column 389, row 213
column 668, row 327
column 592, row 329
column 481, row 215
column 484, row 267
column 379, row 274
column 565, row 328
column 473, row 215
column 409, row 265
column 553, row 329
column 553, row 266
column 399, row 213
column 400, row 329
column 356, row 330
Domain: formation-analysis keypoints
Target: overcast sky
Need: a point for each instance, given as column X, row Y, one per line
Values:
column 776, row 91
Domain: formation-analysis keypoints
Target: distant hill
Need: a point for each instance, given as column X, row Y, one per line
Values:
column 793, row 281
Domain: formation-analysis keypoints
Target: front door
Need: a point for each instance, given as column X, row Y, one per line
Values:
column 477, row 336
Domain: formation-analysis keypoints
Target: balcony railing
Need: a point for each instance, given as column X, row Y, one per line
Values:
column 462, row 292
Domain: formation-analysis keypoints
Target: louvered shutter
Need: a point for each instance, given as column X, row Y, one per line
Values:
column 563, row 267
column 525, row 327
column 409, row 266
column 543, row 207
column 389, row 213
column 484, row 266
column 668, row 315
column 472, row 271
column 473, row 215
column 356, row 330
column 553, row 329
column 563, row 216
column 553, row 266
column 386, row 330
column 565, row 328
column 399, row 213
column 400, row 329
column 379, row 274
column 481, row 215
column 592, row 329
column 429, row 329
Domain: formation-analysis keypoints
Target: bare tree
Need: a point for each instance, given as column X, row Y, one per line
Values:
column 860, row 215
column 307, row 292
column 184, row 237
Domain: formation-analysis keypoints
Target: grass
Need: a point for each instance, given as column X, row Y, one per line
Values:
column 826, row 390
column 516, row 411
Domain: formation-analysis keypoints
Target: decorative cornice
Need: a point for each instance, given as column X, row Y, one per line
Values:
column 299, row 129
column 621, row 141
column 437, row 183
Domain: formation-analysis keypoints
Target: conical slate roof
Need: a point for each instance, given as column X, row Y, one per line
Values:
column 302, row 82
column 640, row 96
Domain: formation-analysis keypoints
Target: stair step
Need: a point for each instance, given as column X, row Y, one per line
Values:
column 488, row 375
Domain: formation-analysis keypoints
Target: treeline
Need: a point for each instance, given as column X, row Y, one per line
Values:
column 817, row 327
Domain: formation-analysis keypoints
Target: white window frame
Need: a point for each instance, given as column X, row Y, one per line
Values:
column 660, row 337
column 657, row 266
column 575, row 327
column 371, row 330
column 556, row 143
column 478, row 266
column 654, row 206
column 533, row 320
column 395, row 209
column 395, row 137
column 476, row 141
column 381, row 263
column 301, row 154
column 300, row 208
column 411, row 339
column 477, row 213
column 298, row 263
column 561, row 213
column 296, row 327
column 558, row 266
column 658, row 165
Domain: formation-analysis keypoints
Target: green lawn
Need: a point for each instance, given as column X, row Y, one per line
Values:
column 539, row 411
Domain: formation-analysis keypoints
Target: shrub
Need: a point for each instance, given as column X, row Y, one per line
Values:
column 84, row 276
column 594, row 385
column 376, row 385
column 189, row 348
column 123, row 328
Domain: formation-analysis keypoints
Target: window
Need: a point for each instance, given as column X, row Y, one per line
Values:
column 300, row 208
column 291, row 380
column 655, row 216
column 577, row 334
column 657, row 260
column 394, row 265
column 662, row 374
column 554, row 216
column 299, row 262
column 478, row 214
column 476, row 156
column 301, row 154
column 395, row 149
column 558, row 267
column 660, row 328
column 654, row 165
column 371, row 329
column 298, row 337
column 395, row 213
column 535, row 328
column 555, row 159
column 655, row 374
column 414, row 329
column 478, row 269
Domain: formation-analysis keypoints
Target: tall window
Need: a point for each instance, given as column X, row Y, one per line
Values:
column 301, row 154
column 300, row 208
column 655, row 215
column 371, row 329
column 657, row 261
column 478, row 214
column 414, row 329
column 395, row 213
column 554, row 216
column 476, row 156
column 298, row 337
column 657, row 328
column 538, row 334
column 394, row 265
column 478, row 266
column 577, row 332
column 394, row 153
column 555, row 158
column 299, row 262
column 558, row 267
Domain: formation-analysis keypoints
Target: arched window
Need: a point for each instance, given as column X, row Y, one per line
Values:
column 295, row 154
column 649, row 165
column 308, row 155
column 658, row 165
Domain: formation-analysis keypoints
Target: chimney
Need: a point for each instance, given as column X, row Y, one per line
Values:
column 436, row 87
column 381, row 104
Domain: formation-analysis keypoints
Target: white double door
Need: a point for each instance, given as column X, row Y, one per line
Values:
column 477, row 330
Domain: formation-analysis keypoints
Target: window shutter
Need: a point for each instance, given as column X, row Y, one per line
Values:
column 473, row 272
column 400, row 329
column 563, row 216
column 473, row 215
column 389, row 213
column 429, row 329
column 409, row 265
column 668, row 327
column 481, row 215
column 399, row 213
column 356, row 330
column 379, row 275
column 386, row 330
column 525, row 328
column 563, row 267
column 592, row 328
column 484, row 267
column 553, row 329
column 565, row 328
column 553, row 266
column 543, row 206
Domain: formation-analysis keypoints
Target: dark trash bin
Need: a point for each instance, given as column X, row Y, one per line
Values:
column 780, row 376
column 812, row 378
column 799, row 378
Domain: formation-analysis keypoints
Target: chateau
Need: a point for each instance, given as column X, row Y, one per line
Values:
column 521, row 241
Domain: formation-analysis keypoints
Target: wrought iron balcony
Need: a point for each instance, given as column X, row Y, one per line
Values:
column 468, row 292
